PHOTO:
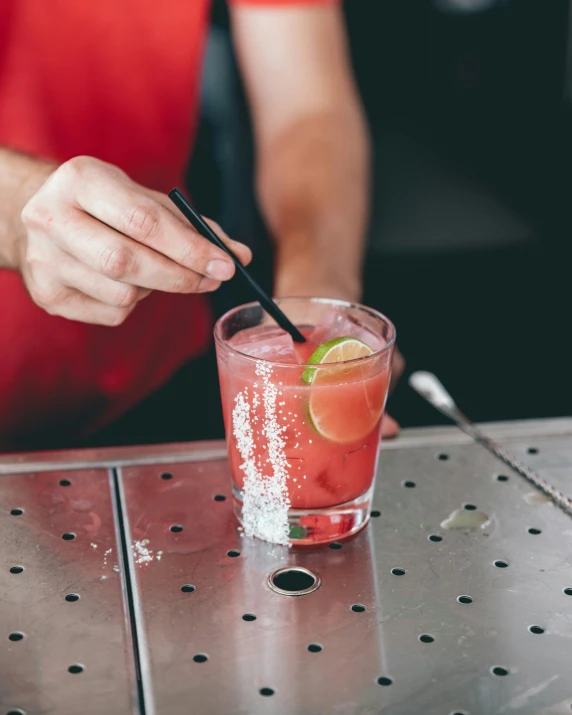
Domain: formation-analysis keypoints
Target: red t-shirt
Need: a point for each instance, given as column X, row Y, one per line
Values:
column 118, row 80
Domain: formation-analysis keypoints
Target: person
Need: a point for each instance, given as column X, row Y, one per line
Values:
column 103, row 284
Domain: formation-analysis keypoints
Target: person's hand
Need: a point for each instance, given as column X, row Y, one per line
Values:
column 95, row 243
column 389, row 427
column 289, row 283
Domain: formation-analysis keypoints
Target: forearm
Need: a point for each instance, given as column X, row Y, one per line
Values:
column 20, row 177
column 313, row 185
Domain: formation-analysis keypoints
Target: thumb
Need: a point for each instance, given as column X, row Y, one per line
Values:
column 389, row 427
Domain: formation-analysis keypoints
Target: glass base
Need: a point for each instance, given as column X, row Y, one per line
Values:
column 322, row 526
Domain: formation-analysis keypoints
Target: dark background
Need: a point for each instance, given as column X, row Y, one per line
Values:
column 469, row 243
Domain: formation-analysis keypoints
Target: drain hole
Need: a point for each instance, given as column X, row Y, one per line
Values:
column 17, row 512
column 68, row 536
column 358, row 608
column 249, row 617
column 568, row 591
column 535, row 532
column 65, row 483
column 75, row 669
column 384, row 681
column 532, row 450
column 409, row 485
column 502, row 478
column 499, row 670
column 15, row 637
column 398, row 572
column 166, row 475
column 176, row 528
column 187, row 588
column 314, row 647
column 426, row 638
column 233, row 553
column 442, row 457
column 465, row 599
column 435, row 537
column 200, row 658
column 470, row 507
column 375, row 513
column 19, row 569
column 15, row 712
column 335, row 545
column 219, row 497
column 293, row 580
column 72, row 597
column 500, row 564
column 538, row 630
column 267, row 692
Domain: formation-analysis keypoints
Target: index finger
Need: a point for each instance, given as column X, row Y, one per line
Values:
column 111, row 197
column 117, row 257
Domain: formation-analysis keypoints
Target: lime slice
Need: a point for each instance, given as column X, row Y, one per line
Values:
column 336, row 350
column 343, row 408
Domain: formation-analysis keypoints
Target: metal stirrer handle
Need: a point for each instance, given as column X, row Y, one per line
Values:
column 429, row 387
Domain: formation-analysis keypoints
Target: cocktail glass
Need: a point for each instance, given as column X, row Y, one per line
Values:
column 303, row 435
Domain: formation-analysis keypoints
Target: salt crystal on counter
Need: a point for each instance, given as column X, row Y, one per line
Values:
column 142, row 554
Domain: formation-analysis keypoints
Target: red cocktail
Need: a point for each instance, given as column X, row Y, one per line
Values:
column 303, row 421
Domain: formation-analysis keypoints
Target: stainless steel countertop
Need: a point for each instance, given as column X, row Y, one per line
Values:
column 91, row 631
column 451, row 674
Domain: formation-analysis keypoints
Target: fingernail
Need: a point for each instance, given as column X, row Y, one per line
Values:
column 208, row 284
column 220, row 270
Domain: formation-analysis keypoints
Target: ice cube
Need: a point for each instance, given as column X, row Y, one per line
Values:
column 339, row 325
column 271, row 344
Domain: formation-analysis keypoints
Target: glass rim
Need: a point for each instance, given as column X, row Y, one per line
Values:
column 326, row 301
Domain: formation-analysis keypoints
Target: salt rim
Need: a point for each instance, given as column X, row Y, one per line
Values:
column 265, row 496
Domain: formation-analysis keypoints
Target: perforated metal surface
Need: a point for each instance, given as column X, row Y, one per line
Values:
column 435, row 634
column 42, row 634
column 516, row 579
column 549, row 455
column 433, row 615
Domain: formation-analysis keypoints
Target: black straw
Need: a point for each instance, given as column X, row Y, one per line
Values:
column 202, row 227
